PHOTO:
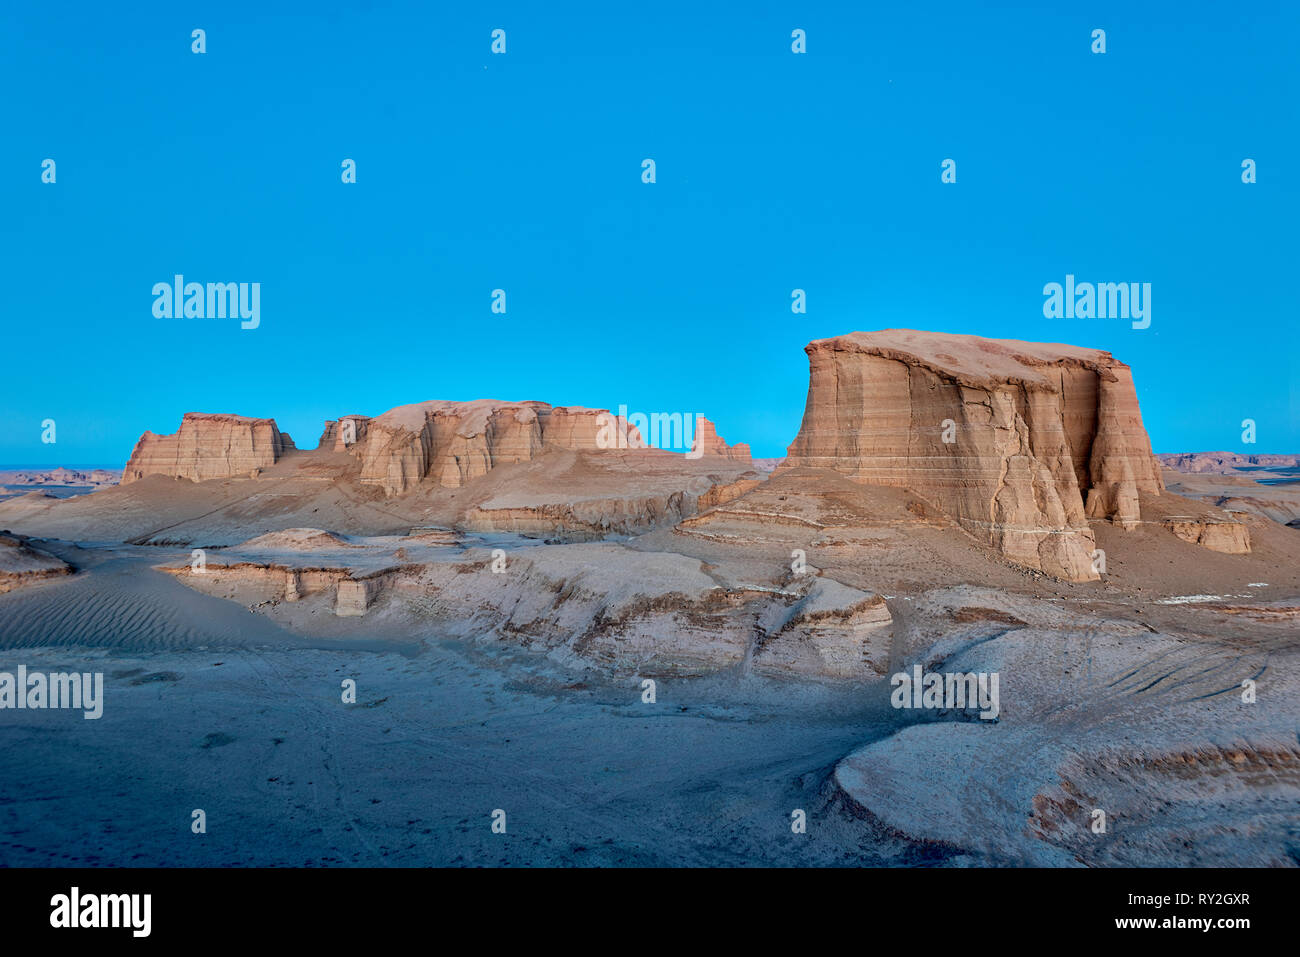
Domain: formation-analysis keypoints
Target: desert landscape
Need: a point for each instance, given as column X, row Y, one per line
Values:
column 649, row 657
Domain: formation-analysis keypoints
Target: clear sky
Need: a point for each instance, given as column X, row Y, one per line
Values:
column 523, row 172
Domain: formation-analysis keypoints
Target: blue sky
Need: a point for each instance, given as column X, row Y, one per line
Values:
column 522, row 171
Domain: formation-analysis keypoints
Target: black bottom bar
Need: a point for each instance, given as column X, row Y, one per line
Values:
column 948, row 907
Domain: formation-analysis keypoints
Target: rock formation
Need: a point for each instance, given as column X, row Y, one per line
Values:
column 440, row 444
column 619, row 607
column 1232, row 538
column 208, row 447
column 339, row 436
column 728, row 492
column 451, row 443
column 1241, row 493
column 275, row 581
column 1225, row 463
column 708, row 443
column 21, row 563
column 588, row 430
column 61, row 476
column 1020, row 442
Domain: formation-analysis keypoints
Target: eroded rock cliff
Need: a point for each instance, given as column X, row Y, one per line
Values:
column 208, row 447
column 707, row 443
column 451, row 443
column 1020, row 442
column 341, row 434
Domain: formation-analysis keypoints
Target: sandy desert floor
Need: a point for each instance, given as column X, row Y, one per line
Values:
column 522, row 691
column 212, row 707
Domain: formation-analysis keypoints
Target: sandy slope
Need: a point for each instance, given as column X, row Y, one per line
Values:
column 440, row 737
column 22, row 563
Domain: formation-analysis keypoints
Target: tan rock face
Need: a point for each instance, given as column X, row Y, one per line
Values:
column 339, row 435
column 353, row 597
column 587, row 430
column 1232, row 538
column 208, row 447
column 727, row 492
column 452, row 443
column 1020, row 442
column 708, row 443
column 1225, row 463
column 440, row 444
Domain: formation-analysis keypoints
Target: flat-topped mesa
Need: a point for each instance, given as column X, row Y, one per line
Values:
column 452, row 443
column 208, row 446
column 1020, row 442
column 1224, row 463
column 707, row 443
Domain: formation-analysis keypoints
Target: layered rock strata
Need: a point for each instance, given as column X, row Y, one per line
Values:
column 452, row 443
column 1225, row 463
column 208, row 447
column 22, row 563
column 1232, row 538
column 343, row 433
column 272, row 581
column 707, row 443
column 1020, row 442
column 442, row 444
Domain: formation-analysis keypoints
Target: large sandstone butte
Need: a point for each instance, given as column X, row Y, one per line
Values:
column 1020, row 442
column 208, row 447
